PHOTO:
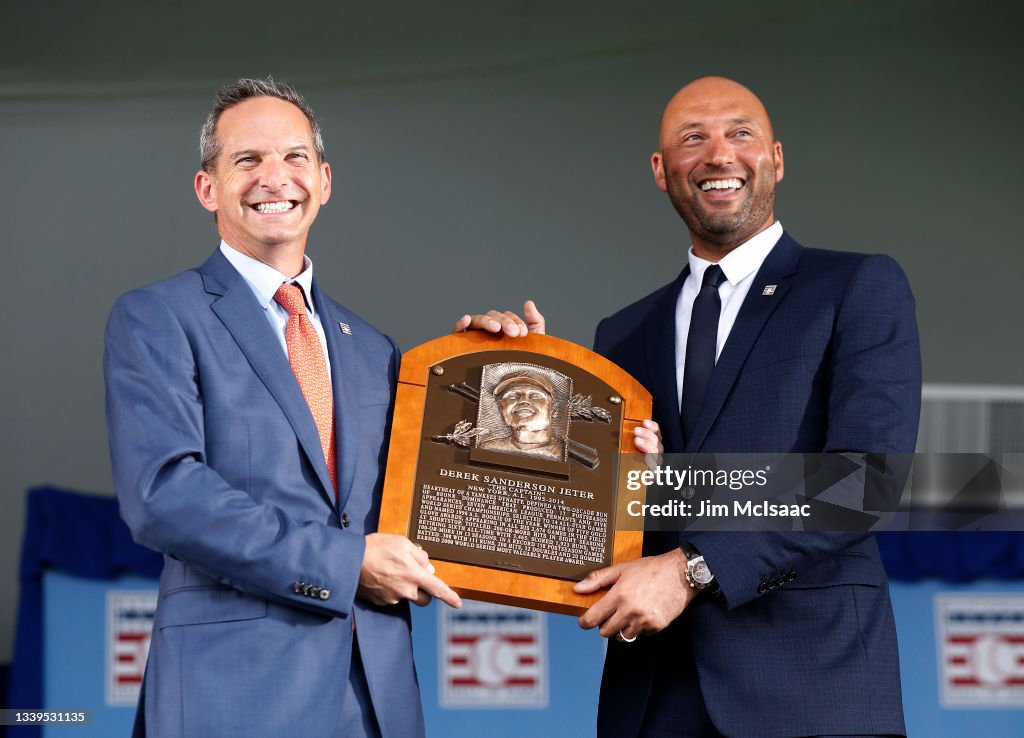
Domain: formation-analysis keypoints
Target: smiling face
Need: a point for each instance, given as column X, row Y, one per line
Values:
column 719, row 164
column 525, row 406
column 266, row 185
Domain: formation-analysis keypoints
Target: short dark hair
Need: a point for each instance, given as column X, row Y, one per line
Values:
column 245, row 88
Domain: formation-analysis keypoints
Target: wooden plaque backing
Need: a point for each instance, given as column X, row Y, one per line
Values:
column 483, row 582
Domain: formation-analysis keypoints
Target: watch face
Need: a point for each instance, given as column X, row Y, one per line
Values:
column 701, row 573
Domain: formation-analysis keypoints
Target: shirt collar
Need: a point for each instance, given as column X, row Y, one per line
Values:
column 265, row 280
column 743, row 260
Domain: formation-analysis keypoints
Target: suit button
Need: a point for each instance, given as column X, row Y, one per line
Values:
column 306, row 588
column 345, row 521
column 762, row 588
column 314, row 592
column 298, row 587
column 688, row 493
column 325, row 594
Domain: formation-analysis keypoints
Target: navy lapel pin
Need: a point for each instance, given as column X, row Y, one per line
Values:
column 769, row 289
column 345, row 328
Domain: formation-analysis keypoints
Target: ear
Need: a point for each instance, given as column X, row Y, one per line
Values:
column 325, row 182
column 206, row 190
column 658, row 167
column 779, row 166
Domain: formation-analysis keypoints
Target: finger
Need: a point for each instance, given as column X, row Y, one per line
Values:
column 490, row 322
column 645, row 446
column 598, row 613
column 598, row 579
column 650, row 432
column 518, row 323
column 534, row 320
column 645, row 441
column 423, row 598
column 615, row 623
column 507, row 321
column 462, row 324
column 624, row 636
column 499, row 322
column 479, row 322
column 437, row 588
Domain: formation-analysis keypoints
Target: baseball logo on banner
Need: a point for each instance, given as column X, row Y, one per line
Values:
column 981, row 650
column 129, row 628
column 493, row 656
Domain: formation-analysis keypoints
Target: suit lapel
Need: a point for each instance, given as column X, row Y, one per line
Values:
column 754, row 313
column 240, row 313
column 344, row 372
column 661, row 358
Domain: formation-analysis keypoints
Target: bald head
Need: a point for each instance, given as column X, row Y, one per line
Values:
column 719, row 162
column 707, row 95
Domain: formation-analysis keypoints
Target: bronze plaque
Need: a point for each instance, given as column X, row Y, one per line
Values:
column 511, row 479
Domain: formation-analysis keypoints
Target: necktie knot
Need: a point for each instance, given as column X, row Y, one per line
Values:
column 289, row 296
column 713, row 276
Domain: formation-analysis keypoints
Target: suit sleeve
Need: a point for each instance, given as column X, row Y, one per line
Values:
column 175, row 503
column 874, row 396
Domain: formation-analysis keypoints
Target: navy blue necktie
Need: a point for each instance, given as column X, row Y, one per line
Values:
column 701, row 346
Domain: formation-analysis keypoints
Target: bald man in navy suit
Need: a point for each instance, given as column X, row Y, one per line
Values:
column 753, row 633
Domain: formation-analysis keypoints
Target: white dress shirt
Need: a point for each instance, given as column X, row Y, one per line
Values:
column 739, row 266
column 264, row 281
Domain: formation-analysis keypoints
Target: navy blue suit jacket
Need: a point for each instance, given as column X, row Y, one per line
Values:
column 828, row 362
column 218, row 465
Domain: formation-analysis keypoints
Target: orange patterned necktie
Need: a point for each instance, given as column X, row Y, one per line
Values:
column 306, row 356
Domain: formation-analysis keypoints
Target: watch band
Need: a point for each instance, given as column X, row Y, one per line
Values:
column 689, row 549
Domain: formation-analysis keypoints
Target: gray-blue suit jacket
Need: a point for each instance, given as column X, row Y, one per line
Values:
column 802, row 640
column 218, row 465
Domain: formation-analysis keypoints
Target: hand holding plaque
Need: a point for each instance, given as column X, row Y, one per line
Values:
column 505, row 464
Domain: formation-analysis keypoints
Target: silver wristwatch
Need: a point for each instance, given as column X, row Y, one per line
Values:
column 698, row 574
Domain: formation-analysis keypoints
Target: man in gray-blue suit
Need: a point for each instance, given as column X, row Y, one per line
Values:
column 248, row 416
column 758, row 346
